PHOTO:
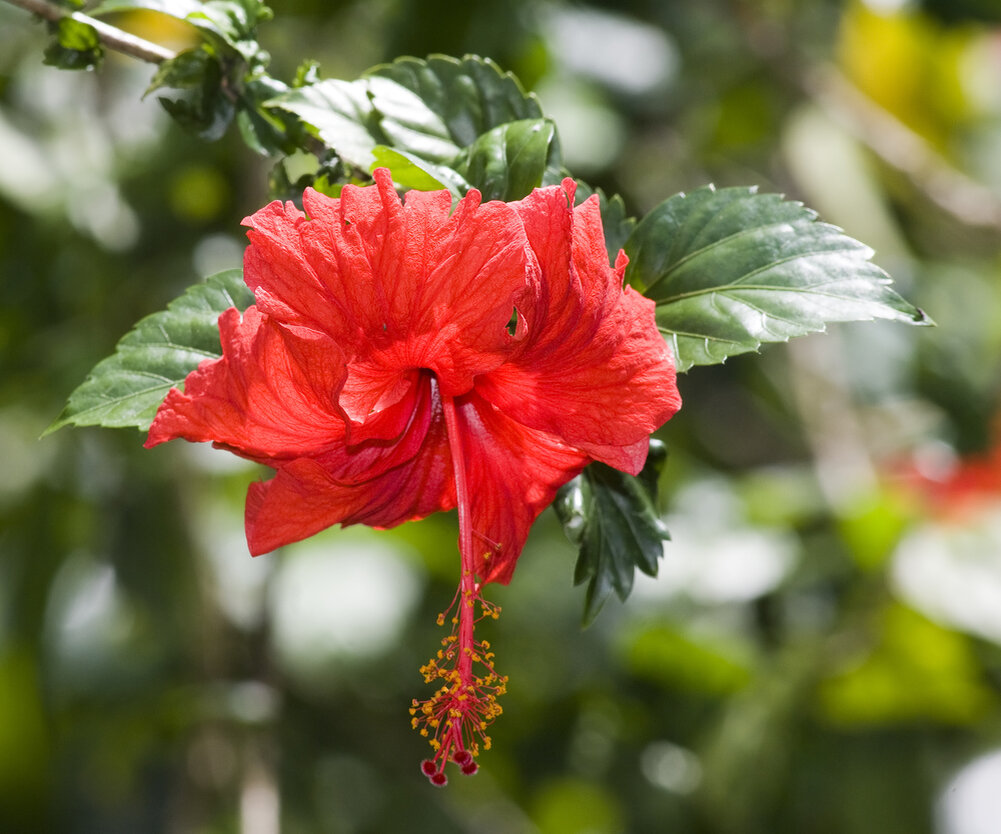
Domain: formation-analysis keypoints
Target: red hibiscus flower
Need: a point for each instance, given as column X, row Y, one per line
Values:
column 404, row 358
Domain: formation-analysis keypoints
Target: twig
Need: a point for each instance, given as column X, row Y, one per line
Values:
column 110, row 36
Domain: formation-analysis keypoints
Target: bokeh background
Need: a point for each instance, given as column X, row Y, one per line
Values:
column 822, row 651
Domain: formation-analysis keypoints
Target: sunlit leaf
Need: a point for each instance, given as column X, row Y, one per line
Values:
column 339, row 114
column 410, row 171
column 732, row 269
column 126, row 388
column 432, row 113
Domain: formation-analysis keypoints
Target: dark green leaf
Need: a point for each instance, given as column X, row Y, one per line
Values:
column 613, row 517
column 202, row 108
column 126, row 388
column 507, row 162
column 468, row 97
column 732, row 269
column 262, row 130
column 76, row 46
column 430, row 112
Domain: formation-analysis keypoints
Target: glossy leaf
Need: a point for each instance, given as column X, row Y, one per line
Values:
column 467, row 96
column 431, row 113
column 733, row 269
column 507, row 162
column 410, row 171
column 126, row 388
column 613, row 518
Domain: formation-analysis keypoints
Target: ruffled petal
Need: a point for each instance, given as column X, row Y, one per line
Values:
column 514, row 473
column 592, row 367
column 308, row 495
column 272, row 395
column 398, row 286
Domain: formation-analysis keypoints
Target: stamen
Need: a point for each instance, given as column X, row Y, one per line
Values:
column 455, row 719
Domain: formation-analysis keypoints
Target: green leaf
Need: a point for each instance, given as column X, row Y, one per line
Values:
column 431, row 113
column 202, row 108
column 507, row 162
column 732, row 269
column 229, row 24
column 126, row 388
column 76, row 46
column 339, row 114
column 613, row 517
column 410, row 171
column 467, row 96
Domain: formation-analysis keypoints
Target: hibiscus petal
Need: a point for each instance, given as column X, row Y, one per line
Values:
column 514, row 473
column 307, row 495
column 399, row 286
column 272, row 395
column 592, row 368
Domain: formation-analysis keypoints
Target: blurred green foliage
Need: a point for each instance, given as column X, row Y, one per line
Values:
column 821, row 650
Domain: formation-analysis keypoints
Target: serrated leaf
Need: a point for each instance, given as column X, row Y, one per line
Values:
column 468, row 96
column 507, row 162
column 613, row 518
column 126, row 388
column 732, row 269
column 429, row 112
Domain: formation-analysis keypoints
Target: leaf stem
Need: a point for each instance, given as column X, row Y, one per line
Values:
column 111, row 36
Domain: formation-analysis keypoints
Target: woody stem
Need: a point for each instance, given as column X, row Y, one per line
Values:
column 467, row 583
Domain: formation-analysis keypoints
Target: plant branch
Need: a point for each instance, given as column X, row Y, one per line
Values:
column 110, row 36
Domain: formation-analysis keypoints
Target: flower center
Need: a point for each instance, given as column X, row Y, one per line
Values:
column 455, row 718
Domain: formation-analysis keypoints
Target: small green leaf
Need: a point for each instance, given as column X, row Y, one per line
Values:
column 202, row 107
column 126, row 388
column 613, row 517
column 507, row 162
column 410, row 171
column 732, row 269
column 76, row 46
